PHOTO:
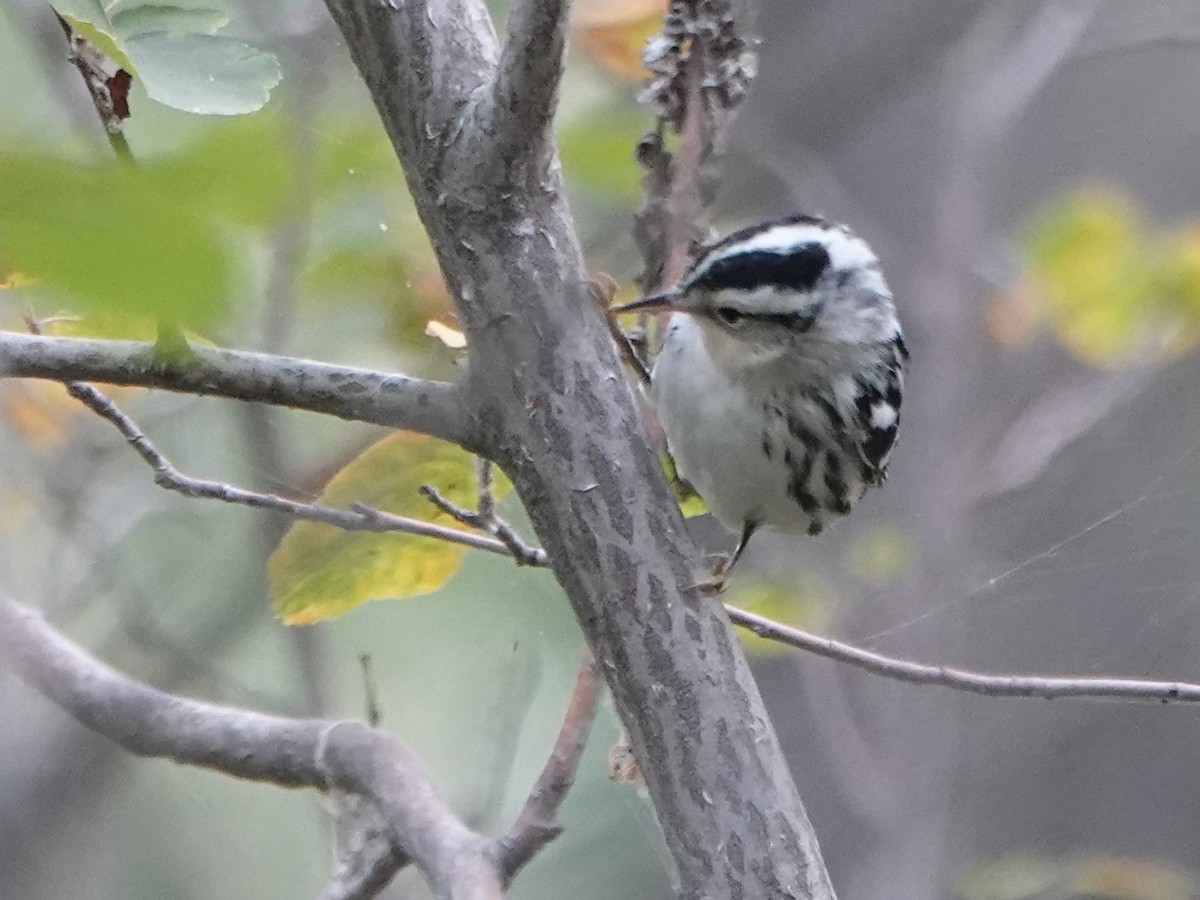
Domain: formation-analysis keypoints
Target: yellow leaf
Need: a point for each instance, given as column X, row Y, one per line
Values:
column 1112, row 289
column 17, row 509
column 791, row 603
column 1100, row 876
column 15, row 279
column 613, row 32
column 319, row 572
column 690, row 503
column 1130, row 878
column 39, row 412
column 451, row 337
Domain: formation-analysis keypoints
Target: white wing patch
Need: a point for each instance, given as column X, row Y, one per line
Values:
column 883, row 415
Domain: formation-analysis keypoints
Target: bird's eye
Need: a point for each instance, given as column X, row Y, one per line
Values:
column 730, row 316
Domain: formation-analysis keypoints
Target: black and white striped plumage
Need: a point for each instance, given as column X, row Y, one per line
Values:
column 780, row 377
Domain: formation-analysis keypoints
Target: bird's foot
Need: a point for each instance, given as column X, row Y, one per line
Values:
column 715, row 582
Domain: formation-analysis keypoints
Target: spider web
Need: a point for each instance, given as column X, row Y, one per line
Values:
column 1102, row 592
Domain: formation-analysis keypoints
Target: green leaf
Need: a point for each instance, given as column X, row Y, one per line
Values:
column 319, row 572
column 117, row 239
column 597, row 153
column 131, row 21
column 88, row 19
column 239, row 169
column 178, row 56
column 204, row 73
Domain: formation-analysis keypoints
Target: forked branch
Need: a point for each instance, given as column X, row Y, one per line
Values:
column 367, row 766
column 525, row 87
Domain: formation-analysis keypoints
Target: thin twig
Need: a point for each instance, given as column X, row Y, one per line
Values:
column 357, row 518
column 536, row 826
column 486, row 504
column 989, row 685
column 627, row 350
column 109, row 91
column 602, row 289
column 522, row 553
column 370, row 692
column 506, row 543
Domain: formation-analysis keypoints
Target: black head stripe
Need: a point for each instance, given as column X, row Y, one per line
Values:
column 798, row 269
column 750, row 231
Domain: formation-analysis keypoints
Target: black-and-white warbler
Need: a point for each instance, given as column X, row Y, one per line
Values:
column 780, row 376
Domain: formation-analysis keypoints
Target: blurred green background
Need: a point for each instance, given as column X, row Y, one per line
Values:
column 1027, row 174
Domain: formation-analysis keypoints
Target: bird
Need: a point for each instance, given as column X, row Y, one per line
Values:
column 780, row 376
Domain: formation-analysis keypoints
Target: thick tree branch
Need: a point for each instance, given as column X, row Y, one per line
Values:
column 388, row 790
column 366, row 859
column 148, row 722
column 425, row 63
column 525, row 89
column 397, row 401
column 556, row 413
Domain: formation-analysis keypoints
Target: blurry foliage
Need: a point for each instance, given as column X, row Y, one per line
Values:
column 175, row 52
column 191, row 232
column 1075, row 878
column 881, row 555
column 319, row 572
column 1110, row 287
column 143, row 242
column 39, row 412
column 801, row 604
column 597, row 152
column 613, row 33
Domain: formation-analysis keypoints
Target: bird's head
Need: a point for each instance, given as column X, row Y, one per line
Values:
column 785, row 285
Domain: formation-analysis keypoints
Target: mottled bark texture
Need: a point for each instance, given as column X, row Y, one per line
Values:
column 471, row 124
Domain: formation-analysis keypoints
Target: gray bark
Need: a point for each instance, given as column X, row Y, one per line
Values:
column 553, row 408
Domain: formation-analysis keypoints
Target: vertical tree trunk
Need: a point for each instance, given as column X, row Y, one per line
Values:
column 471, row 127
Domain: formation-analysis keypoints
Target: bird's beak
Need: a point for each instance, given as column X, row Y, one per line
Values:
column 653, row 303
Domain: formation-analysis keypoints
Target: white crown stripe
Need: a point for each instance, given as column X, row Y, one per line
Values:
column 845, row 251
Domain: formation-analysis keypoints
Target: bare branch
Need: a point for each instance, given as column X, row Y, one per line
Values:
column 109, row 91
column 1049, row 688
column 535, row 826
column 525, row 90
column 397, row 401
column 366, row 858
column 458, row 863
column 370, row 692
column 148, row 722
column 358, row 518
column 424, row 62
column 523, row 554
column 557, row 416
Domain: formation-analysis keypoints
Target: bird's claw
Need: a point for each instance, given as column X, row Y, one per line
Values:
column 717, row 580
